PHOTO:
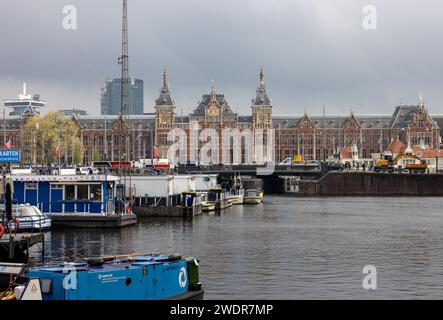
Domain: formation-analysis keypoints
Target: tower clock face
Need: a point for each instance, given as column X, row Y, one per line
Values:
column 262, row 118
column 164, row 118
column 213, row 111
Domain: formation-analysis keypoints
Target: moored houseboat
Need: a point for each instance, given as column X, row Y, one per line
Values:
column 253, row 196
column 190, row 204
column 206, row 205
column 76, row 200
column 128, row 277
column 237, row 192
column 220, row 198
column 236, row 196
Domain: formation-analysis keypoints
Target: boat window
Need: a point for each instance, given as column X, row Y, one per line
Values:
column 212, row 196
column 46, row 285
column 33, row 212
column 82, row 192
column 56, row 186
column 96, row 192
column 36, row 210
column 69, row 192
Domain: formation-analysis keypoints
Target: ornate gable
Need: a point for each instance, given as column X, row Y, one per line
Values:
column 352, row 123
column 306, row 122
column 213, row 108
column 77, row 123
column 120, row 124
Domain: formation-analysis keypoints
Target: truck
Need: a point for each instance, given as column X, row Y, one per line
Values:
column 298, row 159
column 387, row 164
column 412, row 167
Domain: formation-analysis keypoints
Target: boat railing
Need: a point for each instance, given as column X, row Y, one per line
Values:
column 85, row 206
column 35, row 223
column 75, row 206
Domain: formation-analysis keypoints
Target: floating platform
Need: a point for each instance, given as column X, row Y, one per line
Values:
column 17, row 245
column 88, row 220
column 222, row 204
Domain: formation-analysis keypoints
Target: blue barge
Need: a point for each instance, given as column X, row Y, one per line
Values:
column 75, row 200
column 135, row 277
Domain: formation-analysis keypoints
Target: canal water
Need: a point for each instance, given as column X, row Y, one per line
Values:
column 291, row 248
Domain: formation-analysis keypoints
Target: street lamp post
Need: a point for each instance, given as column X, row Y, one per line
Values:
column 59, row 147
column 37, row 128
column 279, row 142
column 437, row 154
column 31, row 153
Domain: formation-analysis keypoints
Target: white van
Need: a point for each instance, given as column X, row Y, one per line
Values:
column 86, row 170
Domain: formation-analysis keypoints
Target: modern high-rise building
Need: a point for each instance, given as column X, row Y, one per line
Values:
column 110, row 102
column 25, row 104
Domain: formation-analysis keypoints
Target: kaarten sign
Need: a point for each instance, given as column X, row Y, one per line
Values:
column 10, row 156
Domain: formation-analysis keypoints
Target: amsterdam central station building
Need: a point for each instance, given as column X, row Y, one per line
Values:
column 133, row 137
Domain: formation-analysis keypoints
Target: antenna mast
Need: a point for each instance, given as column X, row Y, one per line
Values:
column 124, row 61
column 124, row 83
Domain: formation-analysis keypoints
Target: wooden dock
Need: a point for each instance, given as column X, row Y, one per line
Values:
column 16, row 246
column 87, row 220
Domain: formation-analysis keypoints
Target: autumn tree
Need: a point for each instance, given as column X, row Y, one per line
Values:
column 42, row 135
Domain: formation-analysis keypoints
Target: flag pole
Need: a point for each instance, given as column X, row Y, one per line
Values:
column 58, row 149
column 4, row 126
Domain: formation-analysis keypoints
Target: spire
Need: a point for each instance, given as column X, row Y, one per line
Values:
column 213, row 93
column 165, row 98
column 261, row 98
column 165, row 79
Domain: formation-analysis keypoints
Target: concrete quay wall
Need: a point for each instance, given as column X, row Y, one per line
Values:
column 373, row 184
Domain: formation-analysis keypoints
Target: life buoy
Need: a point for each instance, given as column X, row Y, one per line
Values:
column 127, row 208
column 2, row 230
column 15, row 227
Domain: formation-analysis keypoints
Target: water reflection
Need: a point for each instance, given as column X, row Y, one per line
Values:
column 290, row 248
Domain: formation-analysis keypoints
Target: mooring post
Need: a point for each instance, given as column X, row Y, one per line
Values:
column 43, row 249
column 8, row 199
column 11, row 247
column 27, row 252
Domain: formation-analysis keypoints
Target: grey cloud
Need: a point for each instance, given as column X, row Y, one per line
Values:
column 314, row 52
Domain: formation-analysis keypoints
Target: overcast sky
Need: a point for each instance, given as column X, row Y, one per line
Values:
column 313, row 52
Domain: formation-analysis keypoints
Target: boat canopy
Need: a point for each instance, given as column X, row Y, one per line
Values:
column 252, row 192
column 27, row 211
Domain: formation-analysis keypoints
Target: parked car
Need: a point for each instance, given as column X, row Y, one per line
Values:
column 335, row 166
